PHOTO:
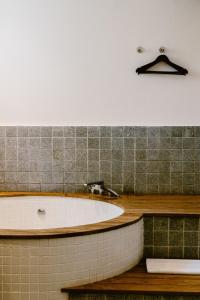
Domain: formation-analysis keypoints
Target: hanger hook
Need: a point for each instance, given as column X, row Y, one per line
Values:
column 162, row 49
column 140, row 49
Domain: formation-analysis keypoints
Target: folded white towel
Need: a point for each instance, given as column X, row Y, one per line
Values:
column 173, row 266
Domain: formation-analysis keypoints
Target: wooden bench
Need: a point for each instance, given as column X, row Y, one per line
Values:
column 138, row 281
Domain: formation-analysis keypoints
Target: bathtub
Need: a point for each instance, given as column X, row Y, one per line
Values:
column 51, row 242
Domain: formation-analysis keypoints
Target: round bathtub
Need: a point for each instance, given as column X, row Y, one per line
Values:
column 45, row 212
column 51, row 242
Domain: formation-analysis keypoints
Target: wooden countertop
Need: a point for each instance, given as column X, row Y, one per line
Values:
column 137, row 281
column 162, row 204
column 134, row 209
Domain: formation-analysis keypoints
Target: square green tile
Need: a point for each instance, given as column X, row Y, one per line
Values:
column 160, row 238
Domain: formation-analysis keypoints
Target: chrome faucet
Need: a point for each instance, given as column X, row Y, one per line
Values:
column 98, row 187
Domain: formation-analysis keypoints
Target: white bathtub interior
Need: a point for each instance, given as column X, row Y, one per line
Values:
column 22, row 212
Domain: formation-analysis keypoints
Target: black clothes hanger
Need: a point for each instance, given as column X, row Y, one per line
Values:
column 162, row 58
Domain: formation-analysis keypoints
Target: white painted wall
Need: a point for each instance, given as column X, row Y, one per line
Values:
column 72, row 62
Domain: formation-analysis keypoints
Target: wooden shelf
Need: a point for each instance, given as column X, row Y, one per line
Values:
column 138, row 281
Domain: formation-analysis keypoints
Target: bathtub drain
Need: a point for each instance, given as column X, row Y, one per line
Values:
column 41, row 211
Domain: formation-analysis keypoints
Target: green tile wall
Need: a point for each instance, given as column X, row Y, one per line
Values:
column 172, row 237
column 140, row 160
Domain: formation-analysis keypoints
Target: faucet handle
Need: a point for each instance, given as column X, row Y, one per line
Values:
column 95, row 187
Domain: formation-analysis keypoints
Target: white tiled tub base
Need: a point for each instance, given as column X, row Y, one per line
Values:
column 36, row 269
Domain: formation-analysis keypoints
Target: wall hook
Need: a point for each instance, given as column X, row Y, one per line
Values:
column 140, row 49
column 162, row 49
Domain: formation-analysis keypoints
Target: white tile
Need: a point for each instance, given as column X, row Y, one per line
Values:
column 45, row 265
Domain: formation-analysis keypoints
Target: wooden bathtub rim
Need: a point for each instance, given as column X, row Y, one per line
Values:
column 135, row 207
